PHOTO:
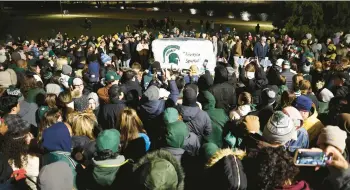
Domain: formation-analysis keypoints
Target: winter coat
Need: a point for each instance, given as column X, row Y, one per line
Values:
column 222, row 90
column 218, row 119
column 197, row 120
column 224, row 171
column 261, row 51
column 108, row 116
column 136, row 148
column 133, row 92
column 34, row 95
column 101, row 174
column 264, row 114
column 256, row 85
column 237, row 49
column 313, row 125
column 289, row 78
column 316, row 77
column 126, row 50
column 94, row 72
column 340, row 91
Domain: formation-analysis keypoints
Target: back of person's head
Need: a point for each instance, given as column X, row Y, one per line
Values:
column 244, row 98
column 250, row 68
column 83, row 124
column 180, row 82
column 130, row 125
column 276, row 168
column 136, row 66
column 128, row 76
column 8, row 103
column 318, row 66
column 115, row 92
column 64, row 98
column 296, row 79
column 22, row 64
column 27, row 84
column 221, row 74
column 287, row 99
column 294, row 67
column 304, row 87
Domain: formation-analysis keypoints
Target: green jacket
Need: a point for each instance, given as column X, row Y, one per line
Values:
column 104, row 171
column 31, row 95
column 60, row 156
column 218, row 118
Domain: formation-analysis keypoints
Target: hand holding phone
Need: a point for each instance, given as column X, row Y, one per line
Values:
column 311, row 157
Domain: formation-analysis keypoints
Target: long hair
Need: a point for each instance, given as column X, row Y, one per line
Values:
column 50, row 100
column 83, row 124
column 28, row 83
column 15, row 148
column 130, row 126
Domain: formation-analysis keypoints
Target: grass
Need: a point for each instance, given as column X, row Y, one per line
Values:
column 36, row 25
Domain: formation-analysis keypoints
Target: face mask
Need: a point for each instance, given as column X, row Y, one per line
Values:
column 250, row 75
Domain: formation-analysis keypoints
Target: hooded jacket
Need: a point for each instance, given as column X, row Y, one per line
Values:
column 225, row 171
column 218, row 119
column 197, row 120
column 224, row 93
column 178, row 137
column 158, row 170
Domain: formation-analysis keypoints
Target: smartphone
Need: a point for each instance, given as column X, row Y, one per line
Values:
column 310, row 157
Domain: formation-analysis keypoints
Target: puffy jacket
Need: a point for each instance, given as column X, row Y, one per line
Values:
column 94, row 71
column 197, row 120
column 218, row 118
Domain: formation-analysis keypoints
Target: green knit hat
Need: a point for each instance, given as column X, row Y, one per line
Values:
column 108, row 139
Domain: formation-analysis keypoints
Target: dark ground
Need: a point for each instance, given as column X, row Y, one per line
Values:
column 34, row 25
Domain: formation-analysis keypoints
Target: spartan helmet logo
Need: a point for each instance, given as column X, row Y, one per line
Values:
column 170, row 54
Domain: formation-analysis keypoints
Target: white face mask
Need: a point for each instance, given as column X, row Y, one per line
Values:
column 250, row 75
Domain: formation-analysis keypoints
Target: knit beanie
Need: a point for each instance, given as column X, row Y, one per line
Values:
column 302, row 103
column 152, row 93
column 325, row 95
column 57, row 138
column 52, row 88
column 279, row 129
column 189, row 97
column 333, row 135
column 81, row 104
column 251, row 123
column 67, row 69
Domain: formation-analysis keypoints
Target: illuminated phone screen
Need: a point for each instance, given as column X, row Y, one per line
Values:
column 311, row 158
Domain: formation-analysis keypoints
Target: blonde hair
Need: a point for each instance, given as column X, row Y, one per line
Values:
column 244, row 98
column 130, row 126
column 83, row 124
column 318, row 66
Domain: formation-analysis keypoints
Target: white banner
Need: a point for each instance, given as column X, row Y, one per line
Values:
column 184, row 52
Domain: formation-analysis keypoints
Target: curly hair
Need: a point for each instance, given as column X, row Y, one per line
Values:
column 276, row 168
column 15, row 148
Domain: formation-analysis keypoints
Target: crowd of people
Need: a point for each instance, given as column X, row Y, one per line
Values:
column 98, row 112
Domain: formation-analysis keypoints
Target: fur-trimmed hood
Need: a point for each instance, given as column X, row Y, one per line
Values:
column 150, row 172
column 222, row 153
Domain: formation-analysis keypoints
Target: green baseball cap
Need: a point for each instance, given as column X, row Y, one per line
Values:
column 108, row 139
column 112, row 76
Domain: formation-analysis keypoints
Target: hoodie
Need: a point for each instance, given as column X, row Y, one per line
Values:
column 218, row 119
